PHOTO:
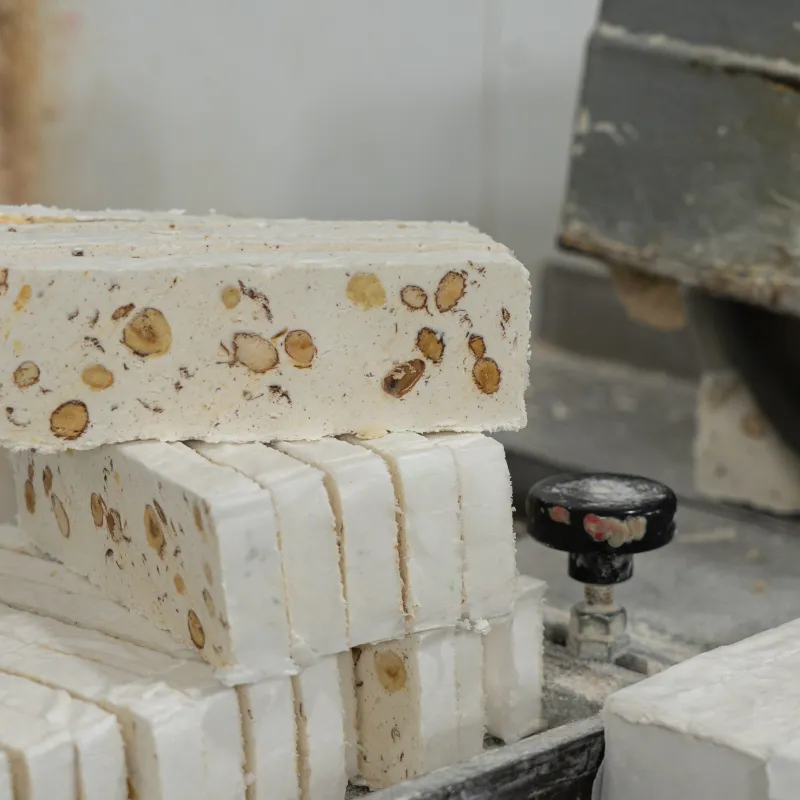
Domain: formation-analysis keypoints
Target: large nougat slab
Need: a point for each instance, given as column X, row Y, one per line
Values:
column 38, row 585
column 362, row 496
column 513, row 666
column 190, row 544
column 308, row 543
column 93, row 734
column 431, row 558
column 720, row 726
column 407, row 707
column 487, row 523
column 258, row 343
column 160, row 726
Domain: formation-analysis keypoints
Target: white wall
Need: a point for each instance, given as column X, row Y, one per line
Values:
column 455, row 109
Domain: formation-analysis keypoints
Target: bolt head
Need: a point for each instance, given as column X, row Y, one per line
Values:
column 597, row 635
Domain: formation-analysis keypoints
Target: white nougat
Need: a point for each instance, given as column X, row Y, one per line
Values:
column 223, row 335
column 36, row 584
column 93, row 734
column 408, row 713
column 12, row 538
column 362, row 496
column 732, row 435
column 189, row 544
column 181, row 728
column 513, row 666
column 720, row 726
column 40, row 586
column 431, row 557
column 347, row 685
column 470, row 692
column 309, row 548
column 487, row 524
column 42, row 756
column 270, row 735
column 6, row 786
column 321, row 731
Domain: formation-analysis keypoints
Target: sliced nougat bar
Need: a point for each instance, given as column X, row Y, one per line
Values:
column 258, row 343
column 6, row 785
column 36, row 584
column 471, row 696
column 407, row 707
column 47, row 716
column 487, row 524
column 189, row 544
column 513, row 666
column 213, row 738
column 42, row 756
column 431, row 558
column 321, row 731
column 306, row 529
column 360, row 490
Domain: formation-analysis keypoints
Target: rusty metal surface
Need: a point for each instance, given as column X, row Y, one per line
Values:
column 685, row 164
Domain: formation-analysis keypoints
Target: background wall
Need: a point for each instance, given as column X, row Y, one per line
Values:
column 455, row 109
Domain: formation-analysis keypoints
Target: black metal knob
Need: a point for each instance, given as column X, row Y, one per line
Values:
column 601, row 520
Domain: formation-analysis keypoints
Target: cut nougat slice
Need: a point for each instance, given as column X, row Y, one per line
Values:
column 189, row 544
column 41, row 586
column 431, row 558
column 179, row 724
column 42, row 756
column 307, row 536
column 470, row 692
column 360, row 490
column 487, row 524
column 321, row 731
column 93, row 734
column 6, row 786
column 407, row 707
column 513, row 666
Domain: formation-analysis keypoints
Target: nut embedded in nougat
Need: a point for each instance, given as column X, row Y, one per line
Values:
column 300, row 348
column 26, row 374
column 30, row 497
column 154, row 530
column 414, row 297
column 231, row 297
column 254, row 352
column 403, row 378
column 47, row 480
column 148, row 333
column 69, row 420
column 97, row 377
column 430, row 344
column 391, row 670
column 486, row 375
column 366, row 291
column 450, row 290
column 98, row 508
column 477, row 346
column 61, row 516
column 196, row 631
